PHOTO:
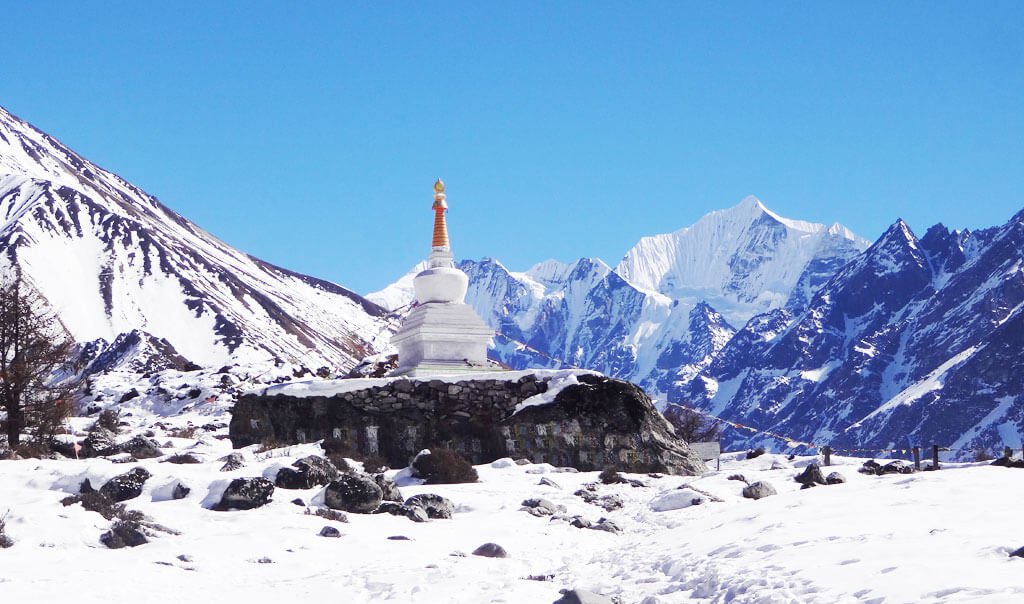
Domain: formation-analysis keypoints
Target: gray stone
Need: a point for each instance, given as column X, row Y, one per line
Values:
column 545, row 481
column 356, row 493
column 140, row 447
column 490, row 550
column 330, row 531
column 759, row 490
column 582, row 596
column 437, row 507
column 417, row 514
column 538, row 506
column 606, row 525
column 810, row 476
column 835, row 478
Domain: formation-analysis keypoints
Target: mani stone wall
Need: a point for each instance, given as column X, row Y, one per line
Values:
column 597, row 423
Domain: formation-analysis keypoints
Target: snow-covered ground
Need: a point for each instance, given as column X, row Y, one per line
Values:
column 928, row 537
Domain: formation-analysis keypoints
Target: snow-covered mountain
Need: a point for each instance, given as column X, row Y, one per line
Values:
column 916, row 342
column 659, row 316
column 129, row 275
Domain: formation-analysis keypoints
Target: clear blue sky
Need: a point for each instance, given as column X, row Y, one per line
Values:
column 309, row 134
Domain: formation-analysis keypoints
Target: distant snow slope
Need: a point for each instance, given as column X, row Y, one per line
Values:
column 111, row 260
column 671, row 303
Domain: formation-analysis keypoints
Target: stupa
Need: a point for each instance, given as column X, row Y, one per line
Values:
column 442, row 334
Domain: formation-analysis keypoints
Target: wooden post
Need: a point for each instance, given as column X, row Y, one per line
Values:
column 935, row 456
column 917, row 458
column 827, row 452
column 1008, row 453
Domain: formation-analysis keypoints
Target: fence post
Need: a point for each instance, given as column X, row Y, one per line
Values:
column 935, row 456
column 917, row 458
column 827, row 452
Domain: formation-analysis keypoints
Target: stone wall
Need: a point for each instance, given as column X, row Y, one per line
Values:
column 597, row 423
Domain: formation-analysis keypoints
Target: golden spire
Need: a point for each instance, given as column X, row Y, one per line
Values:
column 440, row 207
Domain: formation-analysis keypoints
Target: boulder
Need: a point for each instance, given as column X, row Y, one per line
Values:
column 329, row 531
column 871, row 467
column 245, row 494
column 1019, row 553
column 435, row 506
column 759, row 490
column 606, row 525
column 140, row 447
column 180, row 491
column 811, row 476
column 609, row 503
column 547, row 482
column 417, row 514
column 835, row 478
column 311, row 471
column 388, row 488
column 126, row 486
column 897, row 467
column 755, row 453
column 123, row 534
column 582, row 596
column 677, row 499
column 99, row 441
column 490, row 550
column 356, row 493
column 537, row 506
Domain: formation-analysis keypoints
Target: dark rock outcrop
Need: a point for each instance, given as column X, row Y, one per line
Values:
column 356, row 493
column 123, row 534
column 590, row 425
column 245, row 494
column 309, row 472
column 126, row 486
column 811, row 476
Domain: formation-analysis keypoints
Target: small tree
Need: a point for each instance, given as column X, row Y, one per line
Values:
column 692, row 427
column 34, row 354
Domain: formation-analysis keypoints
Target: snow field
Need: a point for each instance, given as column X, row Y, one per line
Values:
column 928, row 537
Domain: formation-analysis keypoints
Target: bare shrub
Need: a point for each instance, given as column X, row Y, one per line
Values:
column 693, row 427
column 186, row 432
column 610, row 476
column 5, row 541
column 443, row 466
column 375, row 465
column 109, row 419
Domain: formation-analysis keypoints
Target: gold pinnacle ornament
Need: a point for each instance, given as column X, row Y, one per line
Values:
column 440, row 207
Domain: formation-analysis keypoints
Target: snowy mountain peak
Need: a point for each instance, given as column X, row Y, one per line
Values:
column 111, row 259
column 743, row 260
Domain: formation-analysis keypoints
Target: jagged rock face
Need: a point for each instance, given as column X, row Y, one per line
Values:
column 660, row 316
column 590, row 425
column 915, row 342
column 112, row 260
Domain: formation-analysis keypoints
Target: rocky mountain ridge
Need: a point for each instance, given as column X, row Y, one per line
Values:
column 112, row 260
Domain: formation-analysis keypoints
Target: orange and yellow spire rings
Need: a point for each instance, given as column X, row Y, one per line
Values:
column 440, row 226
